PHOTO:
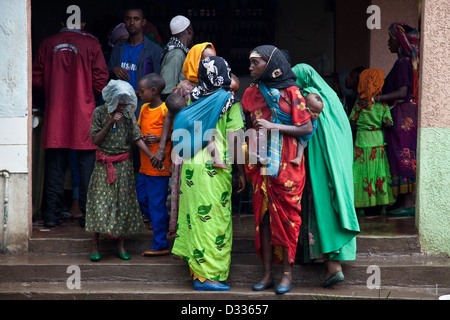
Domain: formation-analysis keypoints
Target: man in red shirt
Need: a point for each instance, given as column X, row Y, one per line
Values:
column 71, row 69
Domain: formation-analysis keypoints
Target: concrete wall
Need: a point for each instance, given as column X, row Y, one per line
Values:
column 14, row 124
column 433, row 201
column 391, row 11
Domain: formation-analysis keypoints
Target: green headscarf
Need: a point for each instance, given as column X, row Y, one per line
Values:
column 330, row 162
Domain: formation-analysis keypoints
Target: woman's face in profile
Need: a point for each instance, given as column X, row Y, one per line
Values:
column 257, row 67
column 393, row 44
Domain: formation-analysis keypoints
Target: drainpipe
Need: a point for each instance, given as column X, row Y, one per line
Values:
column 5, row 175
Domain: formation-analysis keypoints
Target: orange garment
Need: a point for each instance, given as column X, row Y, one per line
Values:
column 371, row 82
column 190, row 67
column 151, row 120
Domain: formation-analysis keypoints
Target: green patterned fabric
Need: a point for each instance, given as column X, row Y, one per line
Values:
column 371, row 174
column 204, row 233
column 113, row 208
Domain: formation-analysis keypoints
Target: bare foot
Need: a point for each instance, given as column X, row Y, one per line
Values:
column 220, row 165
column 75, row 211
column 267, row 277
column 296, row 161
column 94, row 244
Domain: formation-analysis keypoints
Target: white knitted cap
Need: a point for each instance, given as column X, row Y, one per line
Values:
column 179, row 24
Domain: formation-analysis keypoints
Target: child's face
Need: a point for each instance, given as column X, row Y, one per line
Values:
column 234, row 87
column 121, row 107
column 145, row 93
column 351, row 81
column 315, row 107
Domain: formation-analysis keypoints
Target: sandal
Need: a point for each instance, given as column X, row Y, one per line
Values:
column 281, row 288
column 333, row 279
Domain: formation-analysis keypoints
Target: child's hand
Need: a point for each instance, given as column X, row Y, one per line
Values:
column 117, row 116
column 241, row 182
column 151, row 138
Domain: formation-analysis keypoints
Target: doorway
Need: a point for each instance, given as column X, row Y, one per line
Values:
column 315, row 32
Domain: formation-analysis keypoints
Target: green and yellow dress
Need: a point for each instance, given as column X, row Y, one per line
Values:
column 204, row 229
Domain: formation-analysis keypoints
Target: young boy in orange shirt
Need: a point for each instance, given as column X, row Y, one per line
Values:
column 152, row 183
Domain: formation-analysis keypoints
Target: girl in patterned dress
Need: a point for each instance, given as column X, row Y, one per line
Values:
column 112, row 205
column 371, row 173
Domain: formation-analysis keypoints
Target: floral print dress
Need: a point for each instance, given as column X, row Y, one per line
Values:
column 371, row 173
column 113, row 208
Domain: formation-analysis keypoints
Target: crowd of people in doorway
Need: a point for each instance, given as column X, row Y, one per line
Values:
column 307, row 187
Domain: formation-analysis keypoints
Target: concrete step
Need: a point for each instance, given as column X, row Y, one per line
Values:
column 183, row 292
column 401, row 271
column 377, row 237
column 405, row 244
column 404, row 272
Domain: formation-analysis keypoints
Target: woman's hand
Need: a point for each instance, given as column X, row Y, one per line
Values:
column 363, row 103
column 263, row 124
column 121, row 73
column 158, row 159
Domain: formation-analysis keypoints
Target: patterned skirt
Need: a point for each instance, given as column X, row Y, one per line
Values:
column 371, row 174
column 401, row 147
column 113, row 208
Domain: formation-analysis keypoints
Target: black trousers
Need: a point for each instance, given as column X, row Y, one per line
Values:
column 56, row 161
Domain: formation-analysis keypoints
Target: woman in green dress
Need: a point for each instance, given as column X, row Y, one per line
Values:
column 204, row 233
column 112, row 205
column 371, row 174
column 330, row 222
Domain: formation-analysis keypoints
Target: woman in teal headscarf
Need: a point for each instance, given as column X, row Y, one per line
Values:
column 330, row 156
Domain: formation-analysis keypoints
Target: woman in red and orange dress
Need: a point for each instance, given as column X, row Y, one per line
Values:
column 272, row 99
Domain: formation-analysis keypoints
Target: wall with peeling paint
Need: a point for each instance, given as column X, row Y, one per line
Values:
column 14, row 133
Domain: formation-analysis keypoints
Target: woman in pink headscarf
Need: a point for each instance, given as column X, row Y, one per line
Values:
column 401, row 90
column 117, row 34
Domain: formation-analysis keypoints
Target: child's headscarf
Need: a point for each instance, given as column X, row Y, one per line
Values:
column 120, row 92
column 371, row 83
column 191, row 64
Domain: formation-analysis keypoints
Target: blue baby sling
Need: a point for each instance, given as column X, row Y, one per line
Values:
column 194, row 125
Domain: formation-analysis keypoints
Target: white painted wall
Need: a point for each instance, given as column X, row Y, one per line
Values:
column 14, row 97
column 13, row 86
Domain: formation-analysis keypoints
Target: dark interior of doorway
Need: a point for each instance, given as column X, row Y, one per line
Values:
column 235, row 27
